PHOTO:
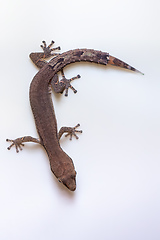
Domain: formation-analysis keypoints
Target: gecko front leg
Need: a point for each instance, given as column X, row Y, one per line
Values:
column 18, row 142
column 71, row 131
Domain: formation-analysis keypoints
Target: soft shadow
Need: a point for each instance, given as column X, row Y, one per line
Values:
column 64, row 191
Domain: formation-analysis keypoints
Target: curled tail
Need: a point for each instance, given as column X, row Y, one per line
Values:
column 116, row 62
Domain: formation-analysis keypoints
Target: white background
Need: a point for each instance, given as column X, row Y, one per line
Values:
column 117, row 157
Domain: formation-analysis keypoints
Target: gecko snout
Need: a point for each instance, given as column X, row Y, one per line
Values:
column 69, row 181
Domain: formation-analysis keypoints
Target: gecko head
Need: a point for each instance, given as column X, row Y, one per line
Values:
column 69, row 180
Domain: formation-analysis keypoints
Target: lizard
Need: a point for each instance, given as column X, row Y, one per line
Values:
column 61, row 164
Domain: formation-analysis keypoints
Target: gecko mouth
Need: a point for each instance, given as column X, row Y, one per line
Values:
column 73, row 188
column 69, row 182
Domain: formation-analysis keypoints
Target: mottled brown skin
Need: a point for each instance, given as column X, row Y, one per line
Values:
column 42, row 107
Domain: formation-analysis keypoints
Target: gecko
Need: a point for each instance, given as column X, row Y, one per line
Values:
column 61, row 164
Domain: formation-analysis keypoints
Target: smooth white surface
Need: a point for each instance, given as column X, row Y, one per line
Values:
column 118, row 155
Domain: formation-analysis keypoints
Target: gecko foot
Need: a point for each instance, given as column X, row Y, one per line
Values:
column 71, row 131
column 48, row 50
column 17, row 143
column 67, row 83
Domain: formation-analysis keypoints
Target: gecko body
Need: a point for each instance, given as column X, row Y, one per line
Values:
column 42, row 107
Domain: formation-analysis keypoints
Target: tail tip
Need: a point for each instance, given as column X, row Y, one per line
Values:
column 135, row 70
column 139, row 71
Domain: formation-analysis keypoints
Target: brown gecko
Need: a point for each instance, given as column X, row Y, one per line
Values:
column 42, row 107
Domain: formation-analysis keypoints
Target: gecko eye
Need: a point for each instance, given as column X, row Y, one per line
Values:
column 59, row 180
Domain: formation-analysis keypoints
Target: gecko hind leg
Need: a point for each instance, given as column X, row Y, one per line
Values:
column 48, row 50
column 71, row 131
column 18, row 142
column 64, row 84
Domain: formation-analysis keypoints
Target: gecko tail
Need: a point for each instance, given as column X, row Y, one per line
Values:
column 117, row 62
